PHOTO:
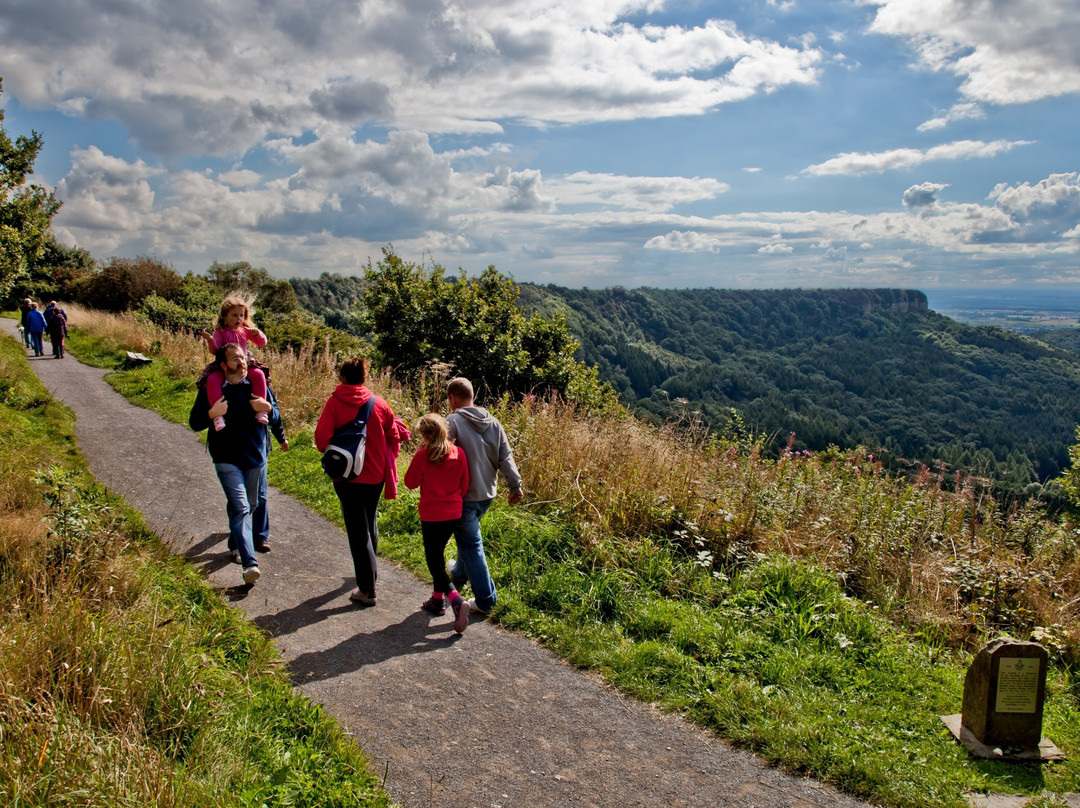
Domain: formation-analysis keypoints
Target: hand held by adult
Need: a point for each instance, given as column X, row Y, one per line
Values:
column 221, row 406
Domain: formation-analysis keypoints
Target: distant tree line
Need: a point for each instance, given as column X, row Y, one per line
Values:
column 837, row 367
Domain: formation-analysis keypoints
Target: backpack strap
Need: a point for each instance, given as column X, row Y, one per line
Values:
column 363, row 415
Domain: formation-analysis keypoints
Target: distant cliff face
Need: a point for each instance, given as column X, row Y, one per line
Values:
column 901, row 300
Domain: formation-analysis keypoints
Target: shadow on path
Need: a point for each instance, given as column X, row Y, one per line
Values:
column 413, row 635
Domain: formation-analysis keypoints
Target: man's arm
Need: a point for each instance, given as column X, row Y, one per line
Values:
column 509, row 468
column 200, row 418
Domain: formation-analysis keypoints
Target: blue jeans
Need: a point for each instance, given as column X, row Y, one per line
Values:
column 471, row 565
column 241, row 489
column 37, row 343
column 260, row 517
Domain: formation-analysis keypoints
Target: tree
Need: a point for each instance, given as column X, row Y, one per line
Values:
column 26, row 210
column 124, row 283
column 271, row 296
column 418, row 317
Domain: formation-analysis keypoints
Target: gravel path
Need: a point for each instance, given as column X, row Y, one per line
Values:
column 481, row 720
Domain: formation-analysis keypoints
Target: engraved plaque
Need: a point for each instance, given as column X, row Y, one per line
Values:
column 1003, row 694
column 1017, row 685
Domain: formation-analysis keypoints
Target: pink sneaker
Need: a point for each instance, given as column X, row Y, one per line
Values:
column 262, row 417
column 219, row 423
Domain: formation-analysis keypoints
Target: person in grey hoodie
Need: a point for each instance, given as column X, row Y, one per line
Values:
column 482, row 437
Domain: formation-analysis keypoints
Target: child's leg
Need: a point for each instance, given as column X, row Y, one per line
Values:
column 213, row 394
column 436, row 535
column 213, row 386
column 258, row 388
column 258, row 382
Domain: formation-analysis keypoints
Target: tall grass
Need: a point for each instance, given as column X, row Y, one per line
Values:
column 124, row 680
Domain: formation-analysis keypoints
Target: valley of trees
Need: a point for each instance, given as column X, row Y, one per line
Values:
column 837, row 367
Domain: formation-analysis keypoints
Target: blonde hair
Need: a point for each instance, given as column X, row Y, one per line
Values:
column 435, row 437
column 231, row 301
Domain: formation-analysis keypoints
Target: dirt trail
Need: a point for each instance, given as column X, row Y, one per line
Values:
column 485, row 719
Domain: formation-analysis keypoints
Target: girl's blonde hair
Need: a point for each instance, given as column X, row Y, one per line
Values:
column 231, row 301
column 435, row 435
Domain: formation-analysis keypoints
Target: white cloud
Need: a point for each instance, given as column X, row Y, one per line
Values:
column 923, row 195
column 964, row 111
column 217, row 78
column 1006, row 51
column 633, row 193
column 855, row 163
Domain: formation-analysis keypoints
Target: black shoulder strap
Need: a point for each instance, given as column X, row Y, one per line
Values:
column 364, row 413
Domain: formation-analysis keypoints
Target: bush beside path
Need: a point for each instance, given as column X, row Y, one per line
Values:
column 485, row 719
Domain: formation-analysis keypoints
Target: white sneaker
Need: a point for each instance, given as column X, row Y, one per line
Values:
column 235, row 556
column 474, row 609
column 251, row 575
column 450, row 568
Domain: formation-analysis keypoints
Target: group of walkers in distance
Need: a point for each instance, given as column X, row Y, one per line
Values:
column 455, row 466
column 35, row 323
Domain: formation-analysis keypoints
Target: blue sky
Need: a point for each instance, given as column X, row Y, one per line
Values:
column 757, row 144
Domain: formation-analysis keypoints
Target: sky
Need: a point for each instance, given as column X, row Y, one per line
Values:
column 679, row 144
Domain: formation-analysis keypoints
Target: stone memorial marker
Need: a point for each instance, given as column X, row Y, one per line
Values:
column 1002, row 714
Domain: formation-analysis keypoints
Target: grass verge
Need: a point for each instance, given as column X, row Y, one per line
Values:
column 124, row 679
column 769, row 652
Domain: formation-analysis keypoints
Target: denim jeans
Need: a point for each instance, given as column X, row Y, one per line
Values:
column 260, row 517
column 37, row 343
column 241, row 489
column 471, row 565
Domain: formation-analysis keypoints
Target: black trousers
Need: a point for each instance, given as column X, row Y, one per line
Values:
column 436, row 535
column 359, row 508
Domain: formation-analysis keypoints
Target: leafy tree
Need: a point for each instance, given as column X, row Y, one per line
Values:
column 124, row 283
column 271, row 295
column 54, row 274
column 194, row 307
column 418, row 317
column 26, row 210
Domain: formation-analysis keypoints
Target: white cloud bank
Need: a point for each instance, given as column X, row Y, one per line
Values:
column 1006, row 51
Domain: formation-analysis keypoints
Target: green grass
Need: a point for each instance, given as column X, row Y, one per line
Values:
column 772, row 655
column 124, row 679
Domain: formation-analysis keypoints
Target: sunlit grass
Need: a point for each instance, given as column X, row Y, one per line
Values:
column 813, row 608
column 124, row 680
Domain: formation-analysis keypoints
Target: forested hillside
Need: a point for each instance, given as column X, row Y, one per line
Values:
column 846, row 367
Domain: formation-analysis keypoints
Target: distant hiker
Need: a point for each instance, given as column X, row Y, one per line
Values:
column 488, row 451
column 234, row 327
column 441, row 472
column 238, row 450
column 24, row 309
column 56, row 323
column 359, row 497
column 35, row 324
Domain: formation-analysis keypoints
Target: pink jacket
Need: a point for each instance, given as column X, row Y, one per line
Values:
column 241, row 337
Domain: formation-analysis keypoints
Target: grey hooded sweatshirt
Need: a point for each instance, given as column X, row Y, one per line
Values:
column 482, row 437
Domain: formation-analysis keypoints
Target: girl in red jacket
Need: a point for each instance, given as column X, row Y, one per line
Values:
column 440, row 471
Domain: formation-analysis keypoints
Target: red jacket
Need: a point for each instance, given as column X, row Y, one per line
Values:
column 340, row 409
column 442, row 485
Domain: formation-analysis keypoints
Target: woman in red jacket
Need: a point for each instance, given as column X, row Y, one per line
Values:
column 359, row 497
